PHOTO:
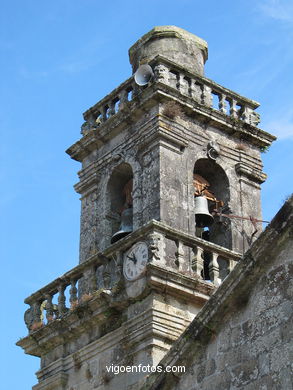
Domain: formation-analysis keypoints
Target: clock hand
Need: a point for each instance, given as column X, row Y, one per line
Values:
column 131, row 258
column 134, row 259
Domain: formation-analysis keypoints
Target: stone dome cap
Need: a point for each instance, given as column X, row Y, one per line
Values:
column 173, row 43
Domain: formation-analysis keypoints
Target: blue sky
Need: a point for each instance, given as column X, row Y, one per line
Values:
column 60, row 57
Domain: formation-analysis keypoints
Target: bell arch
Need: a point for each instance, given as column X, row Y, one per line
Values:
column 119, row 198
column 215, row 185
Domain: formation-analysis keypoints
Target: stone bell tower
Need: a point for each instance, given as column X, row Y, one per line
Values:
column 148, row 154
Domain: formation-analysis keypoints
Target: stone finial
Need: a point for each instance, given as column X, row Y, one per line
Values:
column 173, row 43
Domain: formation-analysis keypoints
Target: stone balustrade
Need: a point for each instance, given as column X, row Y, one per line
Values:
column 64, row 293
column 206, row 92
column 102, row 273
column 206, row 260
column 109, row 105
column 199, row 89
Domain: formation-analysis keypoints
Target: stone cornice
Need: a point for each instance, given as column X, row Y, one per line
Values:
column 57, row 381
column 96, row 310
column 167, row 280
column 155, row 131
column 251, row 173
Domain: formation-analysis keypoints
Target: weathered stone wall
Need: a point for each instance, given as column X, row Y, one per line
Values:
column 163, row 175
column 240, row 191
column 253, row 349
column 163, row 145
column 142, row 334
column 242, row 338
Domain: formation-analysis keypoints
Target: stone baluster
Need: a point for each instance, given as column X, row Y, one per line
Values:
column 179, row 255
column 246, row 114
column 119, row 264
column 233, row 109
column 231, row 265
column 37, row 316
column 135, row 90
column 106, row 276
column 197, row 261
column 93, row 279
column 180, row 82
column 196, row 91
column 73, row 292
column 111, row 110
column 189, row 88
column 214, row 269
column 207, row 98
column 92, row 119
column 105, row 113
column 185, row 85
column 61, row 300
column 222, row 103
column 49, row 307
column 122, row 99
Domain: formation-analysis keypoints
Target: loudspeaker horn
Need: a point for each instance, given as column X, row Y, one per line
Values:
column 143, row 75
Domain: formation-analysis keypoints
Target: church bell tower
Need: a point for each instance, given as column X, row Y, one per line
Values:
column 170, row 200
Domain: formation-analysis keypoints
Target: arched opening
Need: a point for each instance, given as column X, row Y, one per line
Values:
column 211, row 182
column 119, row 190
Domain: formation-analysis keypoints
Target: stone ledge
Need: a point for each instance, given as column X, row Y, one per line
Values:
column 188, row 286
column 56, row 382
column 251, row 173
column 95, row 311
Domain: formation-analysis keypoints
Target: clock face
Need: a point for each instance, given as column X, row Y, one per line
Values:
column 135, row 260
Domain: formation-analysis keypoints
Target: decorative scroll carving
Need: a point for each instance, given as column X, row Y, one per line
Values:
column 29, row 318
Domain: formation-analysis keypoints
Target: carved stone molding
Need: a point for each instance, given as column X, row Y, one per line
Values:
column 56, row 382
column 251, row 173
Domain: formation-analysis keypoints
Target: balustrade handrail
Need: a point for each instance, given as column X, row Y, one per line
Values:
column 99, row 259
column 192, row 241
column 204, row 80
column 110, row 95
column 73, row 274
column 240, row 108
column 43, row 310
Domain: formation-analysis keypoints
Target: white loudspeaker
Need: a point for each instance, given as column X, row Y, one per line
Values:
column 143, row 74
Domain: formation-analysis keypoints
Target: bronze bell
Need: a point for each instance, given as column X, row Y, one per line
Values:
column 126, row 226
column 202, row 216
